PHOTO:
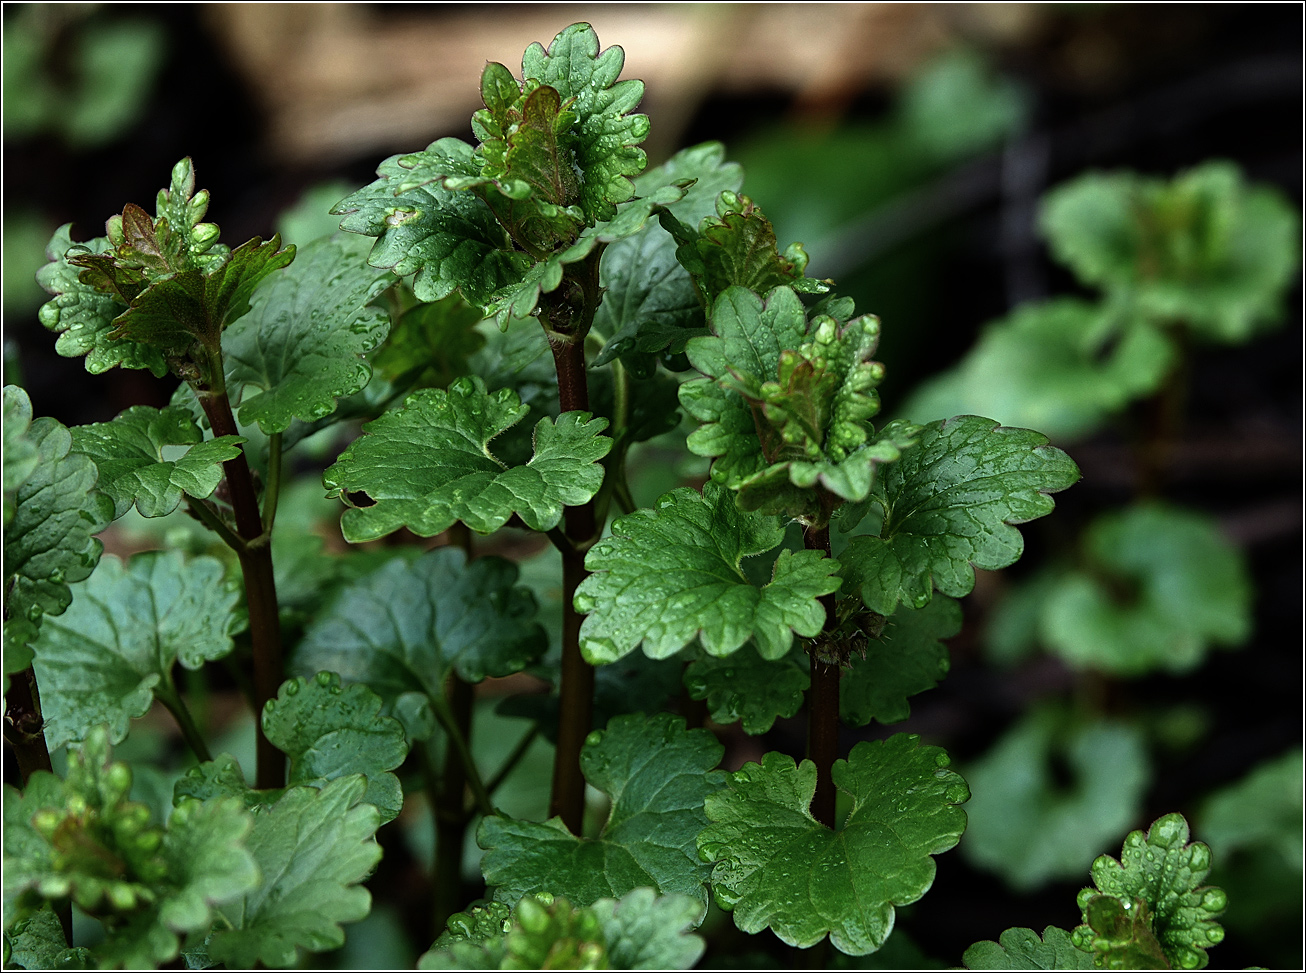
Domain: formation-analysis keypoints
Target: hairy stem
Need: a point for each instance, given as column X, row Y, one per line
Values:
column 256, row 566
column 823, row 701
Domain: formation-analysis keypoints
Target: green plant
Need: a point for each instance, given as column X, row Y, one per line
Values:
column 613, row 293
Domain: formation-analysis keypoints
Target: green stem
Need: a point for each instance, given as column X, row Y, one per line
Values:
column 210, row 519
column 273, row 489
column 823, row 701
column 450, row 817
column 460, row 749
column 166, row 693
column 514, row 758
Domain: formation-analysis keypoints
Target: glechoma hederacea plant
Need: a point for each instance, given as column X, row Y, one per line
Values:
column 648, row 288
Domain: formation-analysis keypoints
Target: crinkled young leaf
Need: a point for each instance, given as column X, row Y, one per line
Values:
column 640, row 931
column 301, row 345
column 404, row 628
column 786, row 404
column 1021, row 949
column 1061, row 367
column 949, row 506
column 429, row 464
column 129, row 454
column 775, row 866
column 21, row 456
column 668, row 575
column 1030, row 829
column 906, row 658
column 1159, row 587
column 329, row 732
column 37, row 943
column 83, row 316
column 105, row 658
column 313, row 849
column 747, row 689
column 658, row 775
column 1161, row 872
column 49, row 543
column 1121, row 935
column 1205, row 249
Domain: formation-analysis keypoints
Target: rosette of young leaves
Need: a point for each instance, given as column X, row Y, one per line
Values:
column 82, row 839
column 737, row 247
column 744, row 688
column 49, row 543
column 1022, row 949
column 328, row 731
column 640, row 931
column 775, row 866
column 1061, row 367
column 657, row 774
column 904, row 658
column 429, row 464
column 670, row 575
column 313, row 848
column 1158, row 588
column 949, row 505
column 786, row 404
column 111, row 653
column 1030, row 828
column 1205, row 250
column 21, row 455
column 301, row 346
column 404, row 628
column 129, row 454
column 1151, row 902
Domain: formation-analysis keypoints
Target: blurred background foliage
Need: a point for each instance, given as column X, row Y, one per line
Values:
column 1079, row 218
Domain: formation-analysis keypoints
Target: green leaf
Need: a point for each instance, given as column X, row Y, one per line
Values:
column 669, row 575
column 658, row 775
column 956, row 106
column 1062, row 367
column 1263, row 810
column 37, row 943
column 745, row 688
column 313, row 848
column 640, row 931
column 21, row 455
column 906, row 658
column 107, row 657
column 27, row 855
column 1159, row 586
column 429, row 464
column 949, row 506
column 777, row 867
column 129, row 454
column 1158, row 873
column 405, row 627
column 83, row 316
column 330, row 732
column 221, row 777
column 194, row 305
column 431, row 344
column 1206, row 249
column 786, row 404
column 49, row 544
column 1030, row 829
column 301, row 346
column 1021, row 949
column 449, row 239
column 1121, row 935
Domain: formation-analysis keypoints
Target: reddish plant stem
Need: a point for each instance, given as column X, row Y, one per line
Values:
column 260, row 587
column 823, row 701
column 576, row 692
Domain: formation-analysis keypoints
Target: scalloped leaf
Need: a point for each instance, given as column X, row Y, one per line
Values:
column 106, row 658
column 669, row 575
column 1206, row 248
column 1263, row 810
column 1032, row 830
column 429, row 464
column 776, row 867
column 301, row 347
column 330, row 732
column 1021, row 949
column 658, row 775
column 129, row 455
column 21, row 455
column 407, row 626
column 906, row 658
column 313, row 848
column 37, row 943
column 431, row 344
column 640, row 931
column 1162, row 873
column 949, row 506
column 747, row 689
column 1159, row 587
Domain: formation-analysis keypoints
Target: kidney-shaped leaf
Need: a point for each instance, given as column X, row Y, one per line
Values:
column 1022, row 949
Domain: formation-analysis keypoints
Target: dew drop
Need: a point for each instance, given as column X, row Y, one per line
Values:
column 291, row 688
column 1215, row 900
